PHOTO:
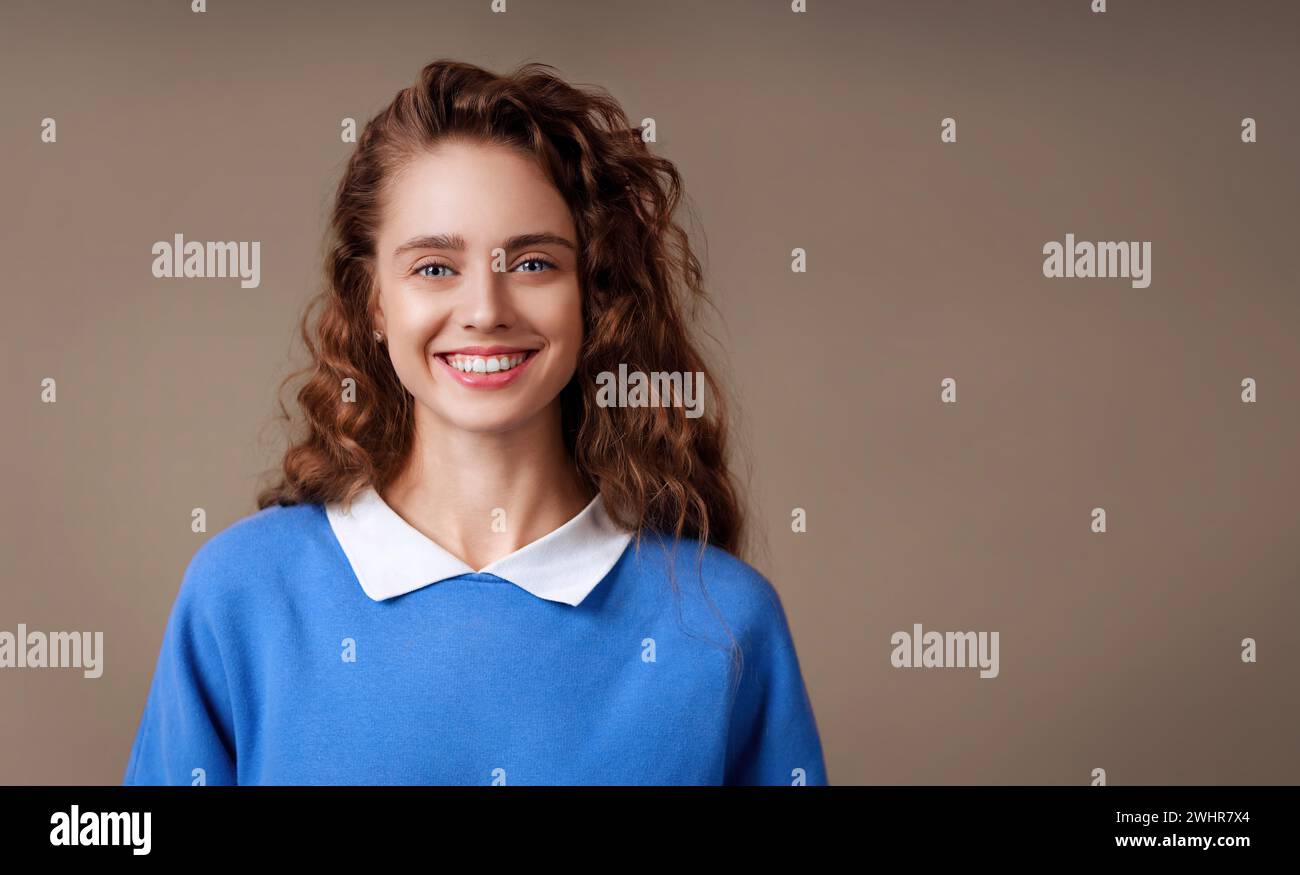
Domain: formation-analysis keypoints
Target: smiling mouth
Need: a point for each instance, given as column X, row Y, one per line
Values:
column 486, row 364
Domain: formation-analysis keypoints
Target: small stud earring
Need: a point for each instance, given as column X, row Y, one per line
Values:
column 379, row 336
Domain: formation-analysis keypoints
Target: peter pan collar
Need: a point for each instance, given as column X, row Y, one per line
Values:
column 390, row 557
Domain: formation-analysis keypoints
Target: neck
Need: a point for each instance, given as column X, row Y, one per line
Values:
column 482, row 496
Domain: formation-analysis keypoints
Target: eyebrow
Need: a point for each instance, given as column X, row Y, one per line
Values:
column 457, row 243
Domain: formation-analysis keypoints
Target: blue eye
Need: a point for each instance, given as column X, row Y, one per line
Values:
column 423, row 270
column 539, row 261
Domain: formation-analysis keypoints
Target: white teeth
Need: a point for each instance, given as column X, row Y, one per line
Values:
column 473, row 364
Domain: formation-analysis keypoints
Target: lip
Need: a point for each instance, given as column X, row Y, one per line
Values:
column 485, row 350
column 486, row 380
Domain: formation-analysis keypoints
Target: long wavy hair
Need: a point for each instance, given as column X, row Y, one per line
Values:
column 656, row 469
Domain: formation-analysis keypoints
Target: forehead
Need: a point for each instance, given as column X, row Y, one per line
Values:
column 474, row 189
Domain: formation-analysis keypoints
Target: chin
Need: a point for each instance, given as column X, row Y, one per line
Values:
column 490, row 419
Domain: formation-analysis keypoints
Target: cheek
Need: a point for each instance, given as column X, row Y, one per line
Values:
column 564, row 332
column 562, row 316
column 413, row 320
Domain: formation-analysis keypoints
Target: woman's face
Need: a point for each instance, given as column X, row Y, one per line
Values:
column 479, row 297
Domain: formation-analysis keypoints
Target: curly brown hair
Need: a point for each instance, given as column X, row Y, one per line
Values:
column 642, row 287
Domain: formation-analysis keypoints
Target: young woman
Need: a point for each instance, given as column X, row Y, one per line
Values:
column 471, row 569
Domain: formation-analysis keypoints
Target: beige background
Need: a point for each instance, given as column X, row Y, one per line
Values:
column 820, row 130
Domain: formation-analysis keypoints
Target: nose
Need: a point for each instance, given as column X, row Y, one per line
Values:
column 485, row 301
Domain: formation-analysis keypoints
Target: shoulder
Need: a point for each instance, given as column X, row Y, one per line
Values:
column 239, row 561
column 706, row 575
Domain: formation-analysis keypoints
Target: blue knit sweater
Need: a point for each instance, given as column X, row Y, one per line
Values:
column 275, row 668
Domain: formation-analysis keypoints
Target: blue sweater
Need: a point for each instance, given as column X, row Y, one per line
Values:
column 276, row 668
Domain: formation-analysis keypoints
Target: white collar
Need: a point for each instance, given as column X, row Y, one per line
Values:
column 390, row 557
